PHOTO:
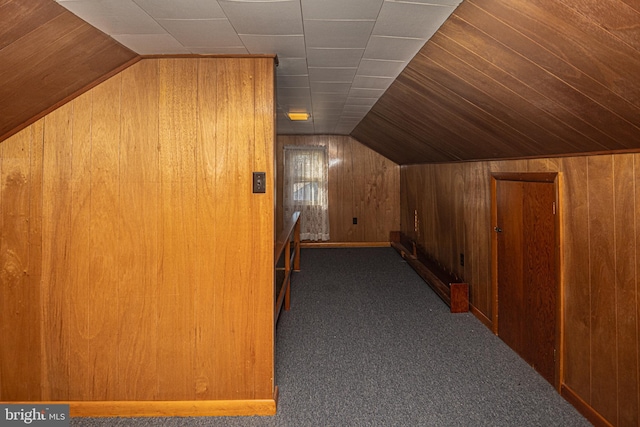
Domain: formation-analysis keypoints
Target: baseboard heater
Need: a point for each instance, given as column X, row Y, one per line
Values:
column 453, row 291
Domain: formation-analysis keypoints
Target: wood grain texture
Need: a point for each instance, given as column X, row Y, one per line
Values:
column 362, row 184
column 513, row 79
column 48, row 54
column 625, row 290
column 138, row 242
column 604, row 397
column 19, row 299
column 56, row 268
column 575, row 224
column 599, row 233
column 138, row 295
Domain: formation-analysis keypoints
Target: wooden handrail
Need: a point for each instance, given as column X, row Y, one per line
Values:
column 291, row 231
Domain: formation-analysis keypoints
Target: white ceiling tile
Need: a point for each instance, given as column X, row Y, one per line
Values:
column 294, row 92
column 327, row 57
column 369, row 82
column 220, row 50
column 335, row 66
column 365, row 93
column 361, row 101
column 264, row 18
column 317, row 74
column 292, row 66
column 341, row 9
column 350, row 108
column 392, row 48
column 440, row 2
column 202, row 32
column 152, row 44
column 184, row 9
column 337, row 34
column 410, row 19
column 287, row 46
column 114, row 16
column 293, row 81
column 380, row 68
column 329, row 97
column 330, row 87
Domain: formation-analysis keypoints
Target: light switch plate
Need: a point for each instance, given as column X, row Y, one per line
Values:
column 259, row 182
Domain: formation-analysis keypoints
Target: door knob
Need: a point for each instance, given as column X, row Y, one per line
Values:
column 497, row 229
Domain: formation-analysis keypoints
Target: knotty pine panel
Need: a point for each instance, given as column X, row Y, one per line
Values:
column 598, row 207
column 362, row 184
column 143, row 295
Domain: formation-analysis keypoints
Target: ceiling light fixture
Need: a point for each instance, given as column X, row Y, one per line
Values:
column 298, row 117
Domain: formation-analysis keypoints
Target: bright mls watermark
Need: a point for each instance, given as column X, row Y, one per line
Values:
column 35, row 415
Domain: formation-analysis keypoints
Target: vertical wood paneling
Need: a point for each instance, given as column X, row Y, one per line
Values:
column 205, row 368
column 103, row 240
column 35, row 248
column 80, row 268
column 625, row 290
column 233, row 185
column 574, row 205
column 602, row 291
column 143, row 295
column 19, row 298
column 138, row 245
column 56, row 235
column 177, row 137
column 261, row 250
column 599, row 216
column 362, row 184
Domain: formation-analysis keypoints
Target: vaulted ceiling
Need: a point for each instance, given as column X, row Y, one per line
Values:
column 499, row 79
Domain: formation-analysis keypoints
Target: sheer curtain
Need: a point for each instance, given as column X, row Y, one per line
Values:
column 306, row 190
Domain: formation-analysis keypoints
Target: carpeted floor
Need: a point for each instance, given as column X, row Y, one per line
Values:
column 367, row 343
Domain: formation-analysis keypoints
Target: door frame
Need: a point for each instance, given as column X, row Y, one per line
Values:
column 555, row 179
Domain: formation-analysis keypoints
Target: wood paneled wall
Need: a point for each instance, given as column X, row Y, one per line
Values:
column 133, row 265
column 362, row 184
column 600, row 217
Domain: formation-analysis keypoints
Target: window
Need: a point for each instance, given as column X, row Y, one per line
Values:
column 305, row 189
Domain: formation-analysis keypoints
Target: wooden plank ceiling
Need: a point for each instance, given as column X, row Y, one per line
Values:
column 500, row 79
column 47, row 55
column 516, row 78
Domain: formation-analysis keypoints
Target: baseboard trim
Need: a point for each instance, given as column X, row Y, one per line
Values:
column 171, row 408
column 583, row 407
column 345, row 244
column 481, row 317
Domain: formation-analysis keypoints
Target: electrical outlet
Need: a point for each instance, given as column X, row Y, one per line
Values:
column 462, row 260
column 259, row 182
column 355, row 220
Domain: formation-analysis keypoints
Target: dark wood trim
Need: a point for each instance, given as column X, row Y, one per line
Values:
column 548, row 177
column 525, row 176
column 583, row 407
column 481, row 317
column 453, row 291
column 345, row 244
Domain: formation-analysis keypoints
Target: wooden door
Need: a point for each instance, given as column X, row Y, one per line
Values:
column 526, row 270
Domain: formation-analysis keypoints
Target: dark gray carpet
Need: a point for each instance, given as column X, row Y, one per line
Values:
column 367, row 343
